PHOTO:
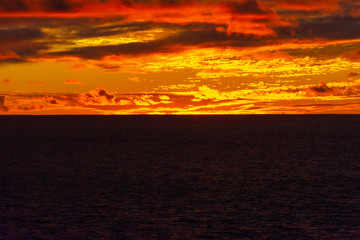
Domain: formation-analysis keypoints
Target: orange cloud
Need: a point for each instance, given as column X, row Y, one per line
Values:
column 321, row 98
column 353, row 55
column 78, row 67
column 30, row 107
column 6, row 80
column 72, row 81
column 245, row 16
column 98, row 96
column 36, row 82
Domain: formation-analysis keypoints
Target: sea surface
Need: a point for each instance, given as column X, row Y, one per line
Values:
column 180, row 177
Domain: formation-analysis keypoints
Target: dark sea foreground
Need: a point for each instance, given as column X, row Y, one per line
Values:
column 180, row 177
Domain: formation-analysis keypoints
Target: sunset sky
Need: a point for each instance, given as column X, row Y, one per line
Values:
column 179, row 56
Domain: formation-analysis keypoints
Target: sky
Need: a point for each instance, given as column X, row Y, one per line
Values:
column 179, row 57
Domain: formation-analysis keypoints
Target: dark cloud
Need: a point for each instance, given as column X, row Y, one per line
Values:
column 30, row 107
column 103, row 92
column 329, row 27
column 207, row 37
column 353, row 74
column 41, row 5
column 322, row 88
column 27, row 41
column 50, row 100
column 16, row 44
column 56, row 5
column 12, row 61
column 54, row 22
column 349, row 90
column 13, row 35
column 13, row 5
column 3, row 108
column 116, row 29
column 249, row 6
column 353, row 55
column 98, row 96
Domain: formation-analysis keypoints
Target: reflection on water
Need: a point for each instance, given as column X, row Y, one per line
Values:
column 166, row 177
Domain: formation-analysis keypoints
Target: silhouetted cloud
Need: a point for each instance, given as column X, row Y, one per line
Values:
column 220, row 24
column 3, row 108
column 353, row 74
column 329, row 27
column 50, row 100
column 18, row 43
column 204, row 35
column 97, row 96
column 30, row 107
column 14, row 35
column 13, row 5
column 248, row 6
column 322, row 88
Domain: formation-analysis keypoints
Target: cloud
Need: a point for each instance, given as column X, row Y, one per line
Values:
column 340, row 90
column 17, row 43
column 199, row 35
column 116, row 29
column 353, row 74
column 50, row 100
column 237, row 15
column 57, row 5
column 322, row 88
column 3, row 108
column 40, row 5
column 327, row 27
column 30, row 107
column 8, row 55
column 156, row 27
column 6, row 80
column 305, row 5
column 72, row 81
column 36, row 82
column 97, row 96
column 14, row 35
column 248, row 6
column 353, row 55
column 78, row 66
column 320, row 98
column 13, row 5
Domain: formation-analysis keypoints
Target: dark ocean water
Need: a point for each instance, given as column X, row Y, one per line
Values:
column 180, row 177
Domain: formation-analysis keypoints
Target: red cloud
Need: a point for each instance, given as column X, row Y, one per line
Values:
column 8, row 55
column 306, row 5
column 244, row 16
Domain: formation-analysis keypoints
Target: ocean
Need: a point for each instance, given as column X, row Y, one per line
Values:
column 180, row 177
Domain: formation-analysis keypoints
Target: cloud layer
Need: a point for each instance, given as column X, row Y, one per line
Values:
column 179, row 56
column 204, row 100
